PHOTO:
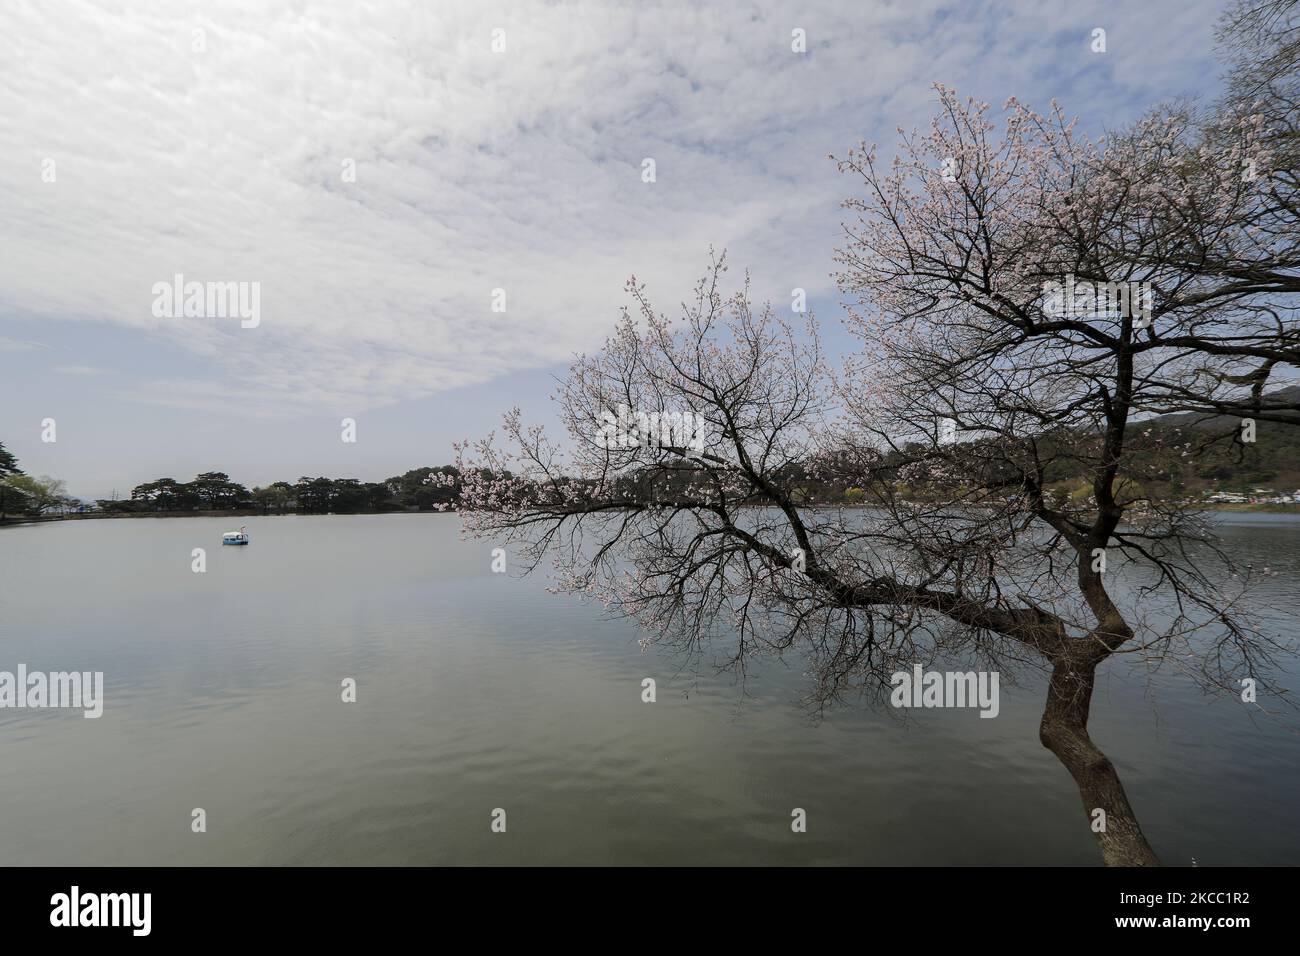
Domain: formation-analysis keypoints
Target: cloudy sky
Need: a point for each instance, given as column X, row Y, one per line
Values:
column 215, row 139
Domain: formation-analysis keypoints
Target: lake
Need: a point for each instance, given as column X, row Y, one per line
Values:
column 477, row 691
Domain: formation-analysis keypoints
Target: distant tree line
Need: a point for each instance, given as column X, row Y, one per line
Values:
column 25, row 494
column 1208, row 463
column 214, row 491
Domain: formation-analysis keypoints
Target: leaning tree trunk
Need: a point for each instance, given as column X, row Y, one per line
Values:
column 1064, row 731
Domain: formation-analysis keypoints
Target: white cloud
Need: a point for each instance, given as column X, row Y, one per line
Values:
column 475, row 170
column 20, row 345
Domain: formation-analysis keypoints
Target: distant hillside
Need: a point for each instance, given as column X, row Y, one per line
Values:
column 1290, row 394
column 1190, row 455
column 1272, row 461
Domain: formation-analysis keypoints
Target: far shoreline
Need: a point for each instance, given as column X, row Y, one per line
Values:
column 1230, row 507
column 105, row 515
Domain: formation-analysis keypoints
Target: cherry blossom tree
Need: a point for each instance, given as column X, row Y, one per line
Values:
column 962, row 554
column 952, row 260
column 982, row 386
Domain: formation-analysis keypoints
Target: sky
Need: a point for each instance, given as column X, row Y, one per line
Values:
column 387, row 173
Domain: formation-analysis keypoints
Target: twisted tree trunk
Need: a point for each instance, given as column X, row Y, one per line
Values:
column 1064, row 731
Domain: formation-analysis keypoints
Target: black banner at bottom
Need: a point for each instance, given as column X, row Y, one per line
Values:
column 335, row 905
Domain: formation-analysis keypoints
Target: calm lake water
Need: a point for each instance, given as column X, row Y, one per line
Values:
column 478, row 690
